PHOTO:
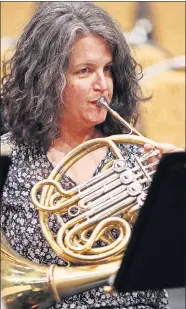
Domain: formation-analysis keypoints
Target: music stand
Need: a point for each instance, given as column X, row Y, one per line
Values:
column 155, row 256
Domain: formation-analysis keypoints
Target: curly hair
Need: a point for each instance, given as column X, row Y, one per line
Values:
column 34, row 78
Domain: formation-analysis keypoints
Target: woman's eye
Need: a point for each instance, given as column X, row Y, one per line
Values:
column 84, row 71
column 108, row 68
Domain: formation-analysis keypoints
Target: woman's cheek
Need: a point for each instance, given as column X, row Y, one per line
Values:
column 79, row 90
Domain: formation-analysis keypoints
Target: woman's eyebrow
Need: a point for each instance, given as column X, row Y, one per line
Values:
column 84, row 64
column 90, row 64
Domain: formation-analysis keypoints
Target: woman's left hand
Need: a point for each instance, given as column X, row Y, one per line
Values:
column 163, row 148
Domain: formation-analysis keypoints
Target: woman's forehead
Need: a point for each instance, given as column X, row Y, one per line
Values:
column 90, row 48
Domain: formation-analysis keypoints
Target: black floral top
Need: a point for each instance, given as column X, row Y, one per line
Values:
column 19, row 221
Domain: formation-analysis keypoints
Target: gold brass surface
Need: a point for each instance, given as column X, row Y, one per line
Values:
column 25, row 284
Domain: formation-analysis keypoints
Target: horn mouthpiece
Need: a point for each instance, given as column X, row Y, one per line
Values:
column 102, row 102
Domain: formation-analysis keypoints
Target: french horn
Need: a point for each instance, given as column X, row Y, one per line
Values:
column 107, row 203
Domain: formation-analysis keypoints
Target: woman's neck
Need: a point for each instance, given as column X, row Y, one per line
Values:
column 72, row 137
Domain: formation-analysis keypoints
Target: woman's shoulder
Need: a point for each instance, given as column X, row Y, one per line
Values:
column 9, row 145
column 6, row 144
column 6, row 138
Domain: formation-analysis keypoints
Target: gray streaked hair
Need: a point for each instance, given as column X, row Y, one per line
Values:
column 34, row 78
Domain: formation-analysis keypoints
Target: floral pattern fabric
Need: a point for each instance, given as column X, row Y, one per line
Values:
column 19, row 221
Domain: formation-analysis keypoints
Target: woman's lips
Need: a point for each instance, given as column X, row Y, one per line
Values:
column 93, row 102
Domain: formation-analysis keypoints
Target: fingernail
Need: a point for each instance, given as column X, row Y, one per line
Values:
column 158, row 151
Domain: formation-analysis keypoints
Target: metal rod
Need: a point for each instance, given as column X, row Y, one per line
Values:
column 102, row 102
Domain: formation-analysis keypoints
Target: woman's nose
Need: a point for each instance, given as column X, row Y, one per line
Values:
column 101, row 83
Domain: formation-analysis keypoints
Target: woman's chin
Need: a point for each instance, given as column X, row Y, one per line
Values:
column 98, row 118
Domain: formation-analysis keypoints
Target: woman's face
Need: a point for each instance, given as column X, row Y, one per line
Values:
column 88, row 78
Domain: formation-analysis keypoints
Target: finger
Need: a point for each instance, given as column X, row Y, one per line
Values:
column 147, row 147
column 157, row 154
column 165, row 147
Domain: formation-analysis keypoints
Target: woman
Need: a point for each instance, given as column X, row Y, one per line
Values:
column 69, row 55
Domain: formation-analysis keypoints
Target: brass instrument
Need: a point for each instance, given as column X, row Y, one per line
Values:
column 25, row 284
column 108, row 201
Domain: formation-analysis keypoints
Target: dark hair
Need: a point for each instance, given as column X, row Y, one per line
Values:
column 35, row 76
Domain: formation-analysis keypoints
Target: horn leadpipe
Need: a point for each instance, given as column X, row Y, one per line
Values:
column 102, row 102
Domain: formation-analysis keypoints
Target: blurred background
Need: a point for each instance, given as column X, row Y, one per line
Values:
column 156, row 33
